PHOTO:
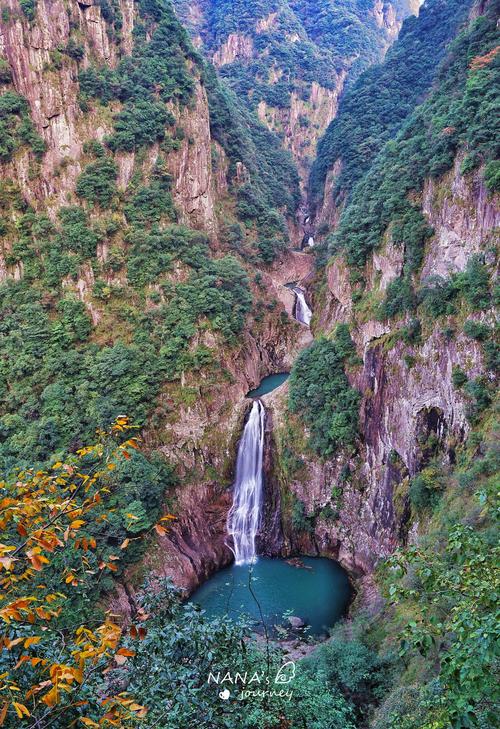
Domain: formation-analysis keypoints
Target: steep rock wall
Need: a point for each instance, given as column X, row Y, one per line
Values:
column 201, row 437
column 407, row 391
column 52, row 93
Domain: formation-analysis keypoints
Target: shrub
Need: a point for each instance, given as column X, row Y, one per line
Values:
column 139, row 123
column 344, row 343
column 426, row 487
column 301, row 521
column 97, row 183
column 411, row 334
column 476, row 330
column 478, row 390
column 492, row 356
column 321, row 394
column 29, row 9
column 458, row 377
column 76, row 233
column 492, row 175
column 150, row 204
column 16, row 128
column 398, row 299
column 74, row 50
column 269, row 248
column 5, row 73
column 351, row 669
column 473, row 283
column 437, row 296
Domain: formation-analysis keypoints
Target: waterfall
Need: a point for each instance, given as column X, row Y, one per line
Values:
column 302, row 312
column 244, row 517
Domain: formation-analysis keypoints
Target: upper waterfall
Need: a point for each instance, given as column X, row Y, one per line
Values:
column 244, row 517
column 302, row 312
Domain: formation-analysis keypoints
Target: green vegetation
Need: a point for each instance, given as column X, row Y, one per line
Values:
column 97, row 183
column 439, row 296
column 443, row 593
column 156, row 68
column 325, row 33
column 57, row 384
column 5, row 73
column 272, row 177
column 16, row 127
column 301, row 522
column 458, row 114
column 320, row 393
column 375, row 107
column 29, row 8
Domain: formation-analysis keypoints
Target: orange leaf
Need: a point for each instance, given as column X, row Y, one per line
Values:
column 36, row 562
column 136, row 707
column 125, row 544
column 32, row 640
column 125, row 652
column 160, row 530
column 3, row 713
column 21, row 709
column 51, row 697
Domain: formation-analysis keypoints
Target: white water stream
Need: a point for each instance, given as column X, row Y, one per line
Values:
column 302, row 312
column 244, row 517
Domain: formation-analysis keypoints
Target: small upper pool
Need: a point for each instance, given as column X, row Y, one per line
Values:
column 268, row 384
column 314, row 589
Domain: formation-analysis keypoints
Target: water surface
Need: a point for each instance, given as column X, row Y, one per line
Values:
column 268, row 384
column 318, row 593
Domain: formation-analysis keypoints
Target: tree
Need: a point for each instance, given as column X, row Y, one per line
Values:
column 453, row 592
column 55, row 639
column 320, row 392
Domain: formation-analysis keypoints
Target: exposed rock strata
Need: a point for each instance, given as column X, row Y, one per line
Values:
column 403, row 401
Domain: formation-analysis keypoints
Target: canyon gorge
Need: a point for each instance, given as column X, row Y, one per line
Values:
column 199, row 199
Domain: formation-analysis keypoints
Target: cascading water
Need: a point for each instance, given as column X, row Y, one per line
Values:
column 244, row 517
column 302, row 312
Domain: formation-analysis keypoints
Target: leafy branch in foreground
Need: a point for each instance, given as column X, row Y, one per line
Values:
column 51, row 563
column 455, row 624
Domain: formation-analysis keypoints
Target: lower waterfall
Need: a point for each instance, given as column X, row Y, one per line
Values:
column 244, row 517
column 302, row 312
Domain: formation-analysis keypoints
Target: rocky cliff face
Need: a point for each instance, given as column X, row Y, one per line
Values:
column 48, row 80
column 356, row 505
column 407, row 390
column 304, row 121
column 201, row 436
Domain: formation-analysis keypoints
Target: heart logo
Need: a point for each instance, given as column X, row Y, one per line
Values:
column 225, row 694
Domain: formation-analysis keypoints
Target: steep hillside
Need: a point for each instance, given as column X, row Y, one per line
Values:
column 292, row 60
column 410, row 275
column 138, row 202
column 374, row 109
